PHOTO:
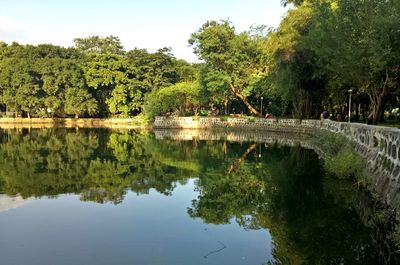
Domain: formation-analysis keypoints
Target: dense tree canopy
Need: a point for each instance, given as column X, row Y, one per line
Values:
column 322, row 51
column 358, row 46
column 97, row 78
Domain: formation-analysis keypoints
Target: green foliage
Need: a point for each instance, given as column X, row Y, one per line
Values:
column 293, row 68
column 19, row 80
column 345, row 163
column 96, row 44
column 97, row 78
column 181, row 98
column 59, row 76
column 79, row 101
column 35, row 79
column 340, row 158
column 111, row 77
column 358, row 47
column 232, row 60
column 321, row 50
column 159, row 69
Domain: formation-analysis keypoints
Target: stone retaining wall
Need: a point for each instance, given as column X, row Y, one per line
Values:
column 237, row 123
column 380, row 147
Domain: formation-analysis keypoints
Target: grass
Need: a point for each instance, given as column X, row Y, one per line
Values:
column 340, row 158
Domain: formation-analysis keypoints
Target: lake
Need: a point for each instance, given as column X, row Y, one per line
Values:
column 97, row 196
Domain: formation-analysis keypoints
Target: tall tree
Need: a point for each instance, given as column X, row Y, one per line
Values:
column 359, row 47
column 114, row 84
column 19, row 80
column 233, row 58
column 155, row 70
column 57, row 76
column 292, row 65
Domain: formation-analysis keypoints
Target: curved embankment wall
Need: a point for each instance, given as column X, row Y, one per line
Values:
column 379, row 146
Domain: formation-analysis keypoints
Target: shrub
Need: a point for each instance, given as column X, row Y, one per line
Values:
column 181, row 99
column 344, row 164
column 340, row 158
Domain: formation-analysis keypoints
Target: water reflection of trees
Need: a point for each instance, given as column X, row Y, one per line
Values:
column 99, row 165
column 313, row 218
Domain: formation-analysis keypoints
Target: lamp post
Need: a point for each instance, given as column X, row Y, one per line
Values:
column 261, row 106
column 350, row 90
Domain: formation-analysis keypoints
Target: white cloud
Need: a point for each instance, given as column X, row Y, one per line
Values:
column 11, row 29
column 10, row 25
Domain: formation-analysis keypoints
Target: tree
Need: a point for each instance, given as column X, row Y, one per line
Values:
column 78, row 101
column 96, row 44
column 19, row 80
column 359, row 47
column 292, row 65
column 182, row 98
column 120, row 80
column 155, row 70
column 185, row 71
column 234, row 59
column 113, row 81
column 110, row 76
column 57, row 75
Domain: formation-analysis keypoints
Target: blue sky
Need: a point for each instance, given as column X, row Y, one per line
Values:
column 149, row 24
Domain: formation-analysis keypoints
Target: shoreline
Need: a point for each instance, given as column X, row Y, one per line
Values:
column 38, row 123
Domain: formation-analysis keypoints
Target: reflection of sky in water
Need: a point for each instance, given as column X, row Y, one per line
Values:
column 145, row 229
column 7, row 202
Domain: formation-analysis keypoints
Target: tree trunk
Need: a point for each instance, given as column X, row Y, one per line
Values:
column 363, row 111
column 226, row 105
column 76, row 116
column 378, row 100
column 378, row 107
column 29, row 115
column 237, row 162
column 331, row 107
column 242, row 98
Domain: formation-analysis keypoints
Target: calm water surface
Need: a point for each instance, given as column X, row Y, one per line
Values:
column 124, row 197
